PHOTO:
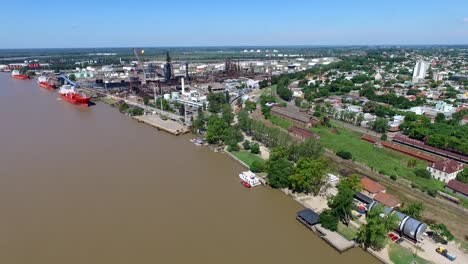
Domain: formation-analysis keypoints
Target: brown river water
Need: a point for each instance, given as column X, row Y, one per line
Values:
column 90, row 185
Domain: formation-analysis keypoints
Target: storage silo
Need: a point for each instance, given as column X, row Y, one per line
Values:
column 413, row 228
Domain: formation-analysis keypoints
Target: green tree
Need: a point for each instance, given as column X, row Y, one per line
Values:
column 255, row 148
column 245, row 122
column 463, row 176
column 250, row 106
column 246, row 145
column 309, row 175
column 440, row 118
column 329, row 220
column 344, row 154
column 311, row 148
column 279, row 172
column 216, row 130
column 352, row 182
column 199, row 122
column 227, row 114
column 380, row 125
column 374, row 233
column 383, row 137
column 414, row 210
column 257, row 166
column 342, row 203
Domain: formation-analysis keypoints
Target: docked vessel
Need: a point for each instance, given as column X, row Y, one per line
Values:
column 45, row 82
column 68, row 93
column 249, row 179
column 19, row 76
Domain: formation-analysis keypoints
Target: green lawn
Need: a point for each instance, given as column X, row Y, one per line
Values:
column 349, row 232
column 247, row 157
column 383, row 160
column 281, row 122
column 401, row 255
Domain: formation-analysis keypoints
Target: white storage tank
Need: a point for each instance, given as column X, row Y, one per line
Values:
column 175, row 95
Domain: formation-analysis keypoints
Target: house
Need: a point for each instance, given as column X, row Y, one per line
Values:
column 298, row 118
column 458, row 187
column 371, row 188
column 302, row 134
column 445, row 170
column 387, row 200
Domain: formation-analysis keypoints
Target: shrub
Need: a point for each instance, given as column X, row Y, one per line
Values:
column 393, row 177
column 383, row 137
column 328, row 220
column 246, row 145
column 344, row 154
column 423, row 173
column 233, row 147
column 255, row 148
column 257, row 166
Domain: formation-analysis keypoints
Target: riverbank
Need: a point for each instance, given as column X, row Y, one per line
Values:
column 139, row 196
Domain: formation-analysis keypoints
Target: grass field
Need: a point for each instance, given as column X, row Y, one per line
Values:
column 383, row 160
column 247, row 157
column 281, row 122
column 349, row 232
column 400, row 255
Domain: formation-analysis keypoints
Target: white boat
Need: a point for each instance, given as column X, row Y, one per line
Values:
column 249, row 179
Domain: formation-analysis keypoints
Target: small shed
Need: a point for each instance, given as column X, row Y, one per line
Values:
column 308, row 217
column 363, row 198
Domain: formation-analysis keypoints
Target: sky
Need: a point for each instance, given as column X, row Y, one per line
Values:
column 146, row 23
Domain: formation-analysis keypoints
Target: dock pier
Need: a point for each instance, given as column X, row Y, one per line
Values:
column 168, row 125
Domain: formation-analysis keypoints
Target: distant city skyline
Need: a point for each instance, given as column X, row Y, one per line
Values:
column 59, row 24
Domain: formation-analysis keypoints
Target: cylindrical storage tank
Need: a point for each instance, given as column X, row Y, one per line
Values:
column 413, row 228
column 167, row 96
column 175, row 95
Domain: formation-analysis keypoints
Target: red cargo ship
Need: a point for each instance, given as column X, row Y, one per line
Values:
column 68, row 93
column 17, row 75
column 44, row 82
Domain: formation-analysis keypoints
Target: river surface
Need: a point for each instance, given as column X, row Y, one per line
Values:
column 90, row 185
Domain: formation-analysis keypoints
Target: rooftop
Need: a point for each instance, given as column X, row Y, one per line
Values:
column 372, row 186
column 291, row 114
column 458, row 186
column 309, row 216
column 387, row 199
column 448, row 166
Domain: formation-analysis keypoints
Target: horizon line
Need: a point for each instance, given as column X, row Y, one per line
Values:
column 248, row 46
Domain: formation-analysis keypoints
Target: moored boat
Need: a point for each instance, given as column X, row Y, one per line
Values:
column 249, row 179
column 19, row 76
column 68, row 93
column 45, row 82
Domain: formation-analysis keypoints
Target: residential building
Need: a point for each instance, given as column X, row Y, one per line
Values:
column 445, row 170
column 419, row 72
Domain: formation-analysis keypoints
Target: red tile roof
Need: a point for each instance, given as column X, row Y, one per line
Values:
column 372, row 186
column 387, row 199
column 458, row 186
column 448, row 166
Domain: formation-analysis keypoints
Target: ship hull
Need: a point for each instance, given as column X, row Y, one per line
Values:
column 47, row 85
column 20, row 77
column 76, row 99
